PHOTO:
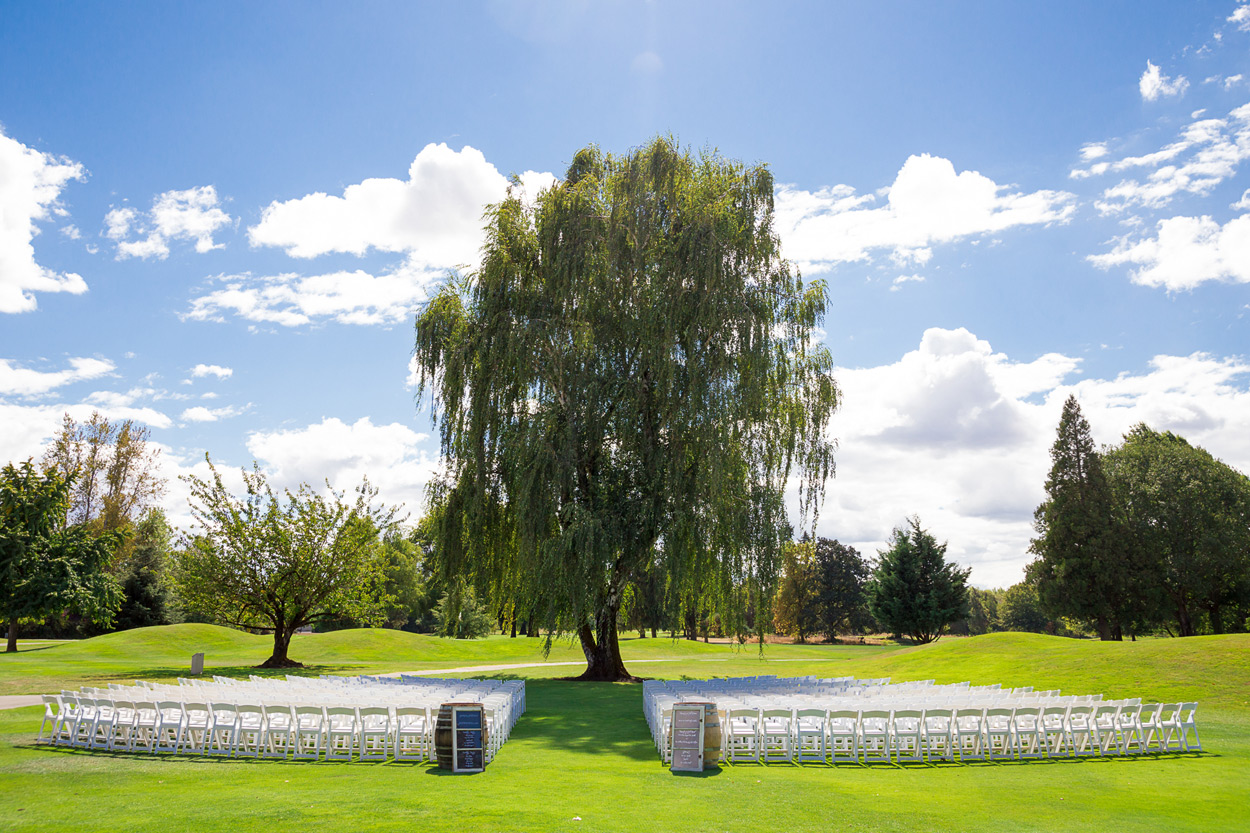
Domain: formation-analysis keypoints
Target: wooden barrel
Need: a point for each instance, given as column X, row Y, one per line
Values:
column 711, row 736
column 443, row 734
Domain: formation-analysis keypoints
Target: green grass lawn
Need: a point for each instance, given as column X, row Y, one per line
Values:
column 583, row 750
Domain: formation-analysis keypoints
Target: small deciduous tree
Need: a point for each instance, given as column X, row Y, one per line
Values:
column 914, row 590
column 280, row 563
column 795, row 605
column 1020, row 610
column 117, row 475
column 45, row 566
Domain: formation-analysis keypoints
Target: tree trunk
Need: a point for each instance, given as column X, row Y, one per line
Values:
column 1217, row 619
column 281, row 642
column 12, row 646
column 1184, row 625
column 653, row 632
column 514, row 627
column 602, row 650
column 1104, row 629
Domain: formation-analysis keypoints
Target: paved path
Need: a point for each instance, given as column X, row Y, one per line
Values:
column 16, row 701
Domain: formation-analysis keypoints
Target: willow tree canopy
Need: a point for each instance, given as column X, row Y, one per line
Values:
column 630, row 378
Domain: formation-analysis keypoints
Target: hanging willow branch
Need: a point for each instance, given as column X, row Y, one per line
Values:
column 629, row 379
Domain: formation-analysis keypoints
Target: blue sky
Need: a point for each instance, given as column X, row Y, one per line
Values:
column 220, row 220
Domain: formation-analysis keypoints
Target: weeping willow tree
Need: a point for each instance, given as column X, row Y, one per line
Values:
column 629, row 380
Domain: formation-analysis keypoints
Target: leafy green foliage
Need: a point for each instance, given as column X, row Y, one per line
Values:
column 1187, row 517
column 628, row 379
column 914, row 590
column 459, row 613
column 280, row 563
column 1082, row 568
column 46, row 568
column 1021, row 610
column 983, row 613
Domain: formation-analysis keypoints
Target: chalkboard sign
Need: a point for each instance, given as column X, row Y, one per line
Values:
column 686, row 735
column 468, row 749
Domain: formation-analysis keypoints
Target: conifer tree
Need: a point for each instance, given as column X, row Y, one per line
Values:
column 1081, row 568
column 914, row 590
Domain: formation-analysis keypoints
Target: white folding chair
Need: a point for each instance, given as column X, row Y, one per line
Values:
column 874, row 735
column 1129, row 729
column 907, row 735
column 1105, row 728
column 1081, row 732
column 1055, row 731
column 409, row 743
column 279, row 731
column 196, row 718
column 998, row 735
column 969, row 733
column 342, row 733
column 1030, row 738
column 167, row 734
column 843, row 735
column 742, row 733
column 249, row 737
column 775, row 735
column 375, row 732
column 1187, row 724
column 939, row 734
column 143, row 736
column 1150, row 724
column 223, row 729
column 52, row 710
column 310, row 732
column 124, row 720
column 810, row 740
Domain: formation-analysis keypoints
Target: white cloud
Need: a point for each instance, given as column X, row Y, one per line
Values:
column 1241, row 18
column 192, row 214
column 29, row 428
column 435, row 216
column 1233, row 80
column 201, row 414
column 1207, row 153
column 71, row 232
column 21, row 381
column 1093, row 150
column 1154, row 83
column 392, row 456
column 961, row 436
column 292, row 300
column 928, row 204
column 1185, row 252
column 902, row 279
column 30, row 188
column 201, row 370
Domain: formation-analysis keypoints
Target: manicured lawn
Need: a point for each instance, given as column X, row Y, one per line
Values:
column 583, row 750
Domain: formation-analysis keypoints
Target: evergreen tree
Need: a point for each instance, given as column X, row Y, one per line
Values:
column 629, row 378
column 148, row 598
column 1082, row 570
column 914, row 590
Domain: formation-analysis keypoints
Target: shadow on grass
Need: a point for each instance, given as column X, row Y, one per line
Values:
column 587, row 718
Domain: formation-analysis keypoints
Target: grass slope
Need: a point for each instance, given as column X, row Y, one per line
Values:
column 583, row 750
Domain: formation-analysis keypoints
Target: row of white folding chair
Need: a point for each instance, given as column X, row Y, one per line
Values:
column 910, row 735
column 245, row 729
